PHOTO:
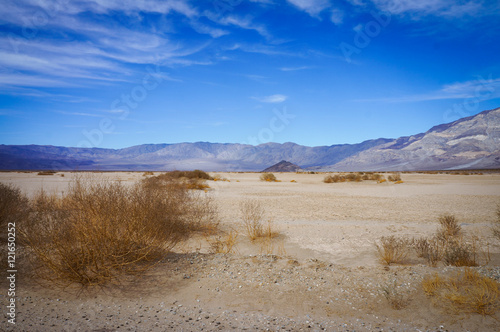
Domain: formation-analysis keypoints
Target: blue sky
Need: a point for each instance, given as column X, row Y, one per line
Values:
column 114, row 74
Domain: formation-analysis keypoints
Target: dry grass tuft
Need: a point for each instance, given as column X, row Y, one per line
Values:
column 252, row 215
column 100, row 230
column 222, row 243
column 269, row 177
column 397, row 298
column 464, row 292
column 449, row 230
column 392, row 249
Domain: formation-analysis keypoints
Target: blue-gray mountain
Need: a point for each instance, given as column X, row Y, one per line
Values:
column 472, row 142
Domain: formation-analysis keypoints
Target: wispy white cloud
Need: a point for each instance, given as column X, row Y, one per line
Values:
column 246, row 23
column 448, row 8
column 294, row 68
column 272, row 98
column 480, row 89
column 312, row 7
column 337, row 16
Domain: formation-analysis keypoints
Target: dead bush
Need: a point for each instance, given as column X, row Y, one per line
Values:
column 395, row 295
column 429, row 249
column 392, row 249
column 14, row 208
column 252, row 215
column 464, row 292
column 99, row 230
column 460, row 253
column 394, row 177
column 269, row 177
column 334, row 178
column 46, row 173
column 449, row 228
column 496, row 224
column 188, row 179
column 222, row 242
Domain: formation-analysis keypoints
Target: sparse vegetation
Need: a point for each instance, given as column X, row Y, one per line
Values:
column 99, row 230
column 46, row 173
column 449, row 228
column 392, row 249
column 14, row 208
column 429, row 249
column 222, row 243
column 269, row 177
column 252, row 215
column 396, row 177
column 451, row 246
column 189, row 179
column 464, row 292
column 397, row 298
column 496, row 224
column 353, row 177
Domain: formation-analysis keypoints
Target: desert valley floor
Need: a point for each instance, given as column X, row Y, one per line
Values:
column 321, row 273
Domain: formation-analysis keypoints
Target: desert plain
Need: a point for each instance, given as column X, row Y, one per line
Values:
column 322, row 272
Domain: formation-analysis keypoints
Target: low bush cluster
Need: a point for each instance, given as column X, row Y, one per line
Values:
column 449, row 245
column 189, row 179
column 269, row 177
column 354, row 177
column 98, row 230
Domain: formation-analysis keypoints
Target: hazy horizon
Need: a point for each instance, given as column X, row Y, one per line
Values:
column 316, row 73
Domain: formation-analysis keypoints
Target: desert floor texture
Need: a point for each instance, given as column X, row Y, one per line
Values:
column 321, row 273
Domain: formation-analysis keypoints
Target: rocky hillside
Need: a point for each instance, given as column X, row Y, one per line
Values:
column 283, row 166
column 472, row 142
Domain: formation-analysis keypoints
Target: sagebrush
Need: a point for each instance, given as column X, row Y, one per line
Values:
column 98, row 230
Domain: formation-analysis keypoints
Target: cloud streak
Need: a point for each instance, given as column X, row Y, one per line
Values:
column 274, row 99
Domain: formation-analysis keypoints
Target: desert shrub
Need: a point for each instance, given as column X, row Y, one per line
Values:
column 14, row 208
column 496, row 224
column 334, row 178
column 449, row 228
column 395, row 296
column 394, row 177
column 460, row 253
column 392, row 249
column 46, row 173
column 148, row 173
column 222, row 243
column 464, row 292
column 252, row 215
column 99, row 230
column 196, row 174
column 429, row 249
column 188, row 179
column 269, row 177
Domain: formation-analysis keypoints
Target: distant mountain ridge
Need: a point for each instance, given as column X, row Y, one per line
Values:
column 472, row 142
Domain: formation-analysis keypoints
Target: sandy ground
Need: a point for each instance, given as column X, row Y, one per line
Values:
column 322, row 273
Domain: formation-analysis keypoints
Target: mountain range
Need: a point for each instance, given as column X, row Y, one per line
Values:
column 468, row 143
